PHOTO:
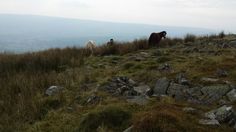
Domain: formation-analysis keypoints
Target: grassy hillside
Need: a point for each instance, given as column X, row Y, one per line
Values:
column 82, row 105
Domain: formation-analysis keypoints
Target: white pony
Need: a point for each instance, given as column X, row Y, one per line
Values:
column 91, row 45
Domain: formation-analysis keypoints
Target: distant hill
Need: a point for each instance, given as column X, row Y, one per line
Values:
column 20, row 33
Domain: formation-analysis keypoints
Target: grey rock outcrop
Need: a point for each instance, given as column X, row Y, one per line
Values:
column 214, row 93
column 232, row 95
column 121, row 86
column 161, row 86
column 224, row 114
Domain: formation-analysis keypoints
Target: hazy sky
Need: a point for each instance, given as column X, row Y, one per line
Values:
column 215, row 14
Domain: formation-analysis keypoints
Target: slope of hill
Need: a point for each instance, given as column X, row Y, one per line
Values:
column 128, row 85
column 21, row 33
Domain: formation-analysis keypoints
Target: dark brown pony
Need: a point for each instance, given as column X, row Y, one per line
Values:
column 155, row 38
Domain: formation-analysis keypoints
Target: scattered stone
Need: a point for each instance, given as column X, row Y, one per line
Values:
column 232, row 95
column 53, row 90
column 209, row 122
column 161, row 86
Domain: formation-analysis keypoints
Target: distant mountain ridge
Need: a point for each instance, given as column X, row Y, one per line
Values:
column 20, row 33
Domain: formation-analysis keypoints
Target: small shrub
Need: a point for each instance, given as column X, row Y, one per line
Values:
column 110, row 117
column 221, row 34
column 189, row 38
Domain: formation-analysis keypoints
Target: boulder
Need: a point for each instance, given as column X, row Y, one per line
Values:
column 224, row 114
column 161, row 86
column 53, row 90
column 214, row 93
column 232, row 95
